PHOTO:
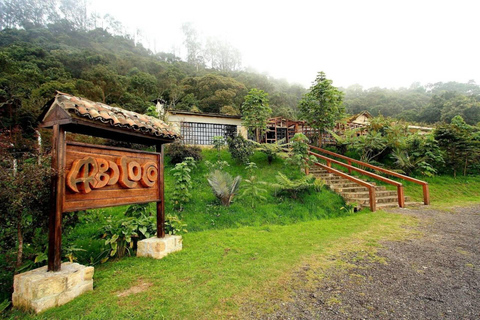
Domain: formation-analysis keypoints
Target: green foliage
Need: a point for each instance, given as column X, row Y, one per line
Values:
column 460, row 143
column 121, row 236
column 174, row 225
column 178, row 152
column 430, row 103
column 272, row 150
column 322, row 106
column 218, row 143
column 299, row 157
column 4, row 305
column 183, row 182
column 217, row 165
column 224, row 186
column 256, row 111
column 240, row 148
column 252, row 189
column 293, row 187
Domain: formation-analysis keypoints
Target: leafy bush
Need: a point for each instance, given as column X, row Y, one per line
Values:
column 300, row 158
column 293, row 187
column 240, row 148
column 173, row 225
column 183, row 182
column 121, row 236
column 224, row 186
column 252, row 187
column 272, row 150
column 178, row 152
column 217, row 165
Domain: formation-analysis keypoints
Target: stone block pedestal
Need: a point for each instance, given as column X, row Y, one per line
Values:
column 39, row 290
column 158, row 248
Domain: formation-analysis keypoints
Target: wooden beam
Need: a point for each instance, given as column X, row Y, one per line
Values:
column 161, row 190
column 56, row 199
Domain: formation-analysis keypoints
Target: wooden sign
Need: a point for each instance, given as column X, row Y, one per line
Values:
column 99, row 176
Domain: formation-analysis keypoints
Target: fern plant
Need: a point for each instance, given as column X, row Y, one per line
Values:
column 293, row 187
column 252, row 189
column 272, row 150
column 224, row 186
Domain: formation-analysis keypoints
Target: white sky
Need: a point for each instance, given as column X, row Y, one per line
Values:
column 387, row 43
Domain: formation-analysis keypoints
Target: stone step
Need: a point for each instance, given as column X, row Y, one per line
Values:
column 338, row 187
column 365, row 194
column 383, row 199
column 381, row 206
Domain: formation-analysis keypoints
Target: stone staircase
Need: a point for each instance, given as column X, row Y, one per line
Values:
column 357, row 194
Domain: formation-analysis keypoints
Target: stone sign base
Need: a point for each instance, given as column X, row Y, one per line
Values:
column 39, row 290
column 158, row 248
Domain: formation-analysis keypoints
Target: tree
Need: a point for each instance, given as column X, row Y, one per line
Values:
column 322, row 106
column 193, row 44
column 461, row 144
column 256, row 111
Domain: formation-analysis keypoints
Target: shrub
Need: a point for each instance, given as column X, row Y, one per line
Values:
column 183, row 182
column 300, row 158
column 224, row 186
column 173, row 225
column 293, row 187
column 121, row 236
column 252, row 187
column 178, row 152
column 272, row 150
column 240, row 148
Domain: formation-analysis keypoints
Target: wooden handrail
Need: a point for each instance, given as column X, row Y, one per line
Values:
column 400, row 191
column 370, row 187
column 426, row 193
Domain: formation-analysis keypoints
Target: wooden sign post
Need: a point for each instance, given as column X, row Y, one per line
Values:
column 94, row 176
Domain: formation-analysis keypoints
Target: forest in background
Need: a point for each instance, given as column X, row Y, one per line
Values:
column 54, row 45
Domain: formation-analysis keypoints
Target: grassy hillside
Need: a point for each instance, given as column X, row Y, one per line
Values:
column 233, row 256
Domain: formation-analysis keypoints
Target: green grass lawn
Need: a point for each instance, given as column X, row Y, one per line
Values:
column 218, row 270
column 446, row 191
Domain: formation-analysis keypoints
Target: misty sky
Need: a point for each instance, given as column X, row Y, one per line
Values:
column 385, row 43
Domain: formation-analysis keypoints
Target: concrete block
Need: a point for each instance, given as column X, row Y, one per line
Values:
column 39, row 290
column 158, row 248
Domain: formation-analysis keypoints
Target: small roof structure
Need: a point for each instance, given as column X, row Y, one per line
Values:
column 354, row 118
column 80, row 115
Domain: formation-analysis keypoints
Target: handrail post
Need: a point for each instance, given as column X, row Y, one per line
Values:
column 401, row 196
column 329, row 163
column 349, row 169
column 372, row 198
column 426, row 195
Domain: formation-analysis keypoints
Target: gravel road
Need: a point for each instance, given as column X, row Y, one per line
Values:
column 435, row 276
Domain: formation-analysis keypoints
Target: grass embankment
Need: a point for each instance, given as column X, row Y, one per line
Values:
column 233, row 256
column 446, row 191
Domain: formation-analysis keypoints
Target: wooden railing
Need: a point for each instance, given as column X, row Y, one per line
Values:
column 369, row 186
column 400, row 191
column 348, row 165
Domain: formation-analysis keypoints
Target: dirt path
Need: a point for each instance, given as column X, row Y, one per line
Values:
column 435, row 276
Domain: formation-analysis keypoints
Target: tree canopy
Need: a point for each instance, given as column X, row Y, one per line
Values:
column 322, row 106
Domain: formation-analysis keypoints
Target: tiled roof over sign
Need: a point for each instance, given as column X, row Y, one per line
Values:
column 84, row 109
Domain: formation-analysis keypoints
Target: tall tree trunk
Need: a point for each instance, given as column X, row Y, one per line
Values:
column 20, row 241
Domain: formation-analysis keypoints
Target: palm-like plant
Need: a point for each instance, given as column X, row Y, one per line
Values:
column 272, row 150
column 293, row 187
column 224, row 186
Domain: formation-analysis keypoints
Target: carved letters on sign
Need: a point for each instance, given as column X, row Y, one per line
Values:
column 94, row 173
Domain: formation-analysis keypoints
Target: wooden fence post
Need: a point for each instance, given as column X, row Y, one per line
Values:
column 56, row 199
